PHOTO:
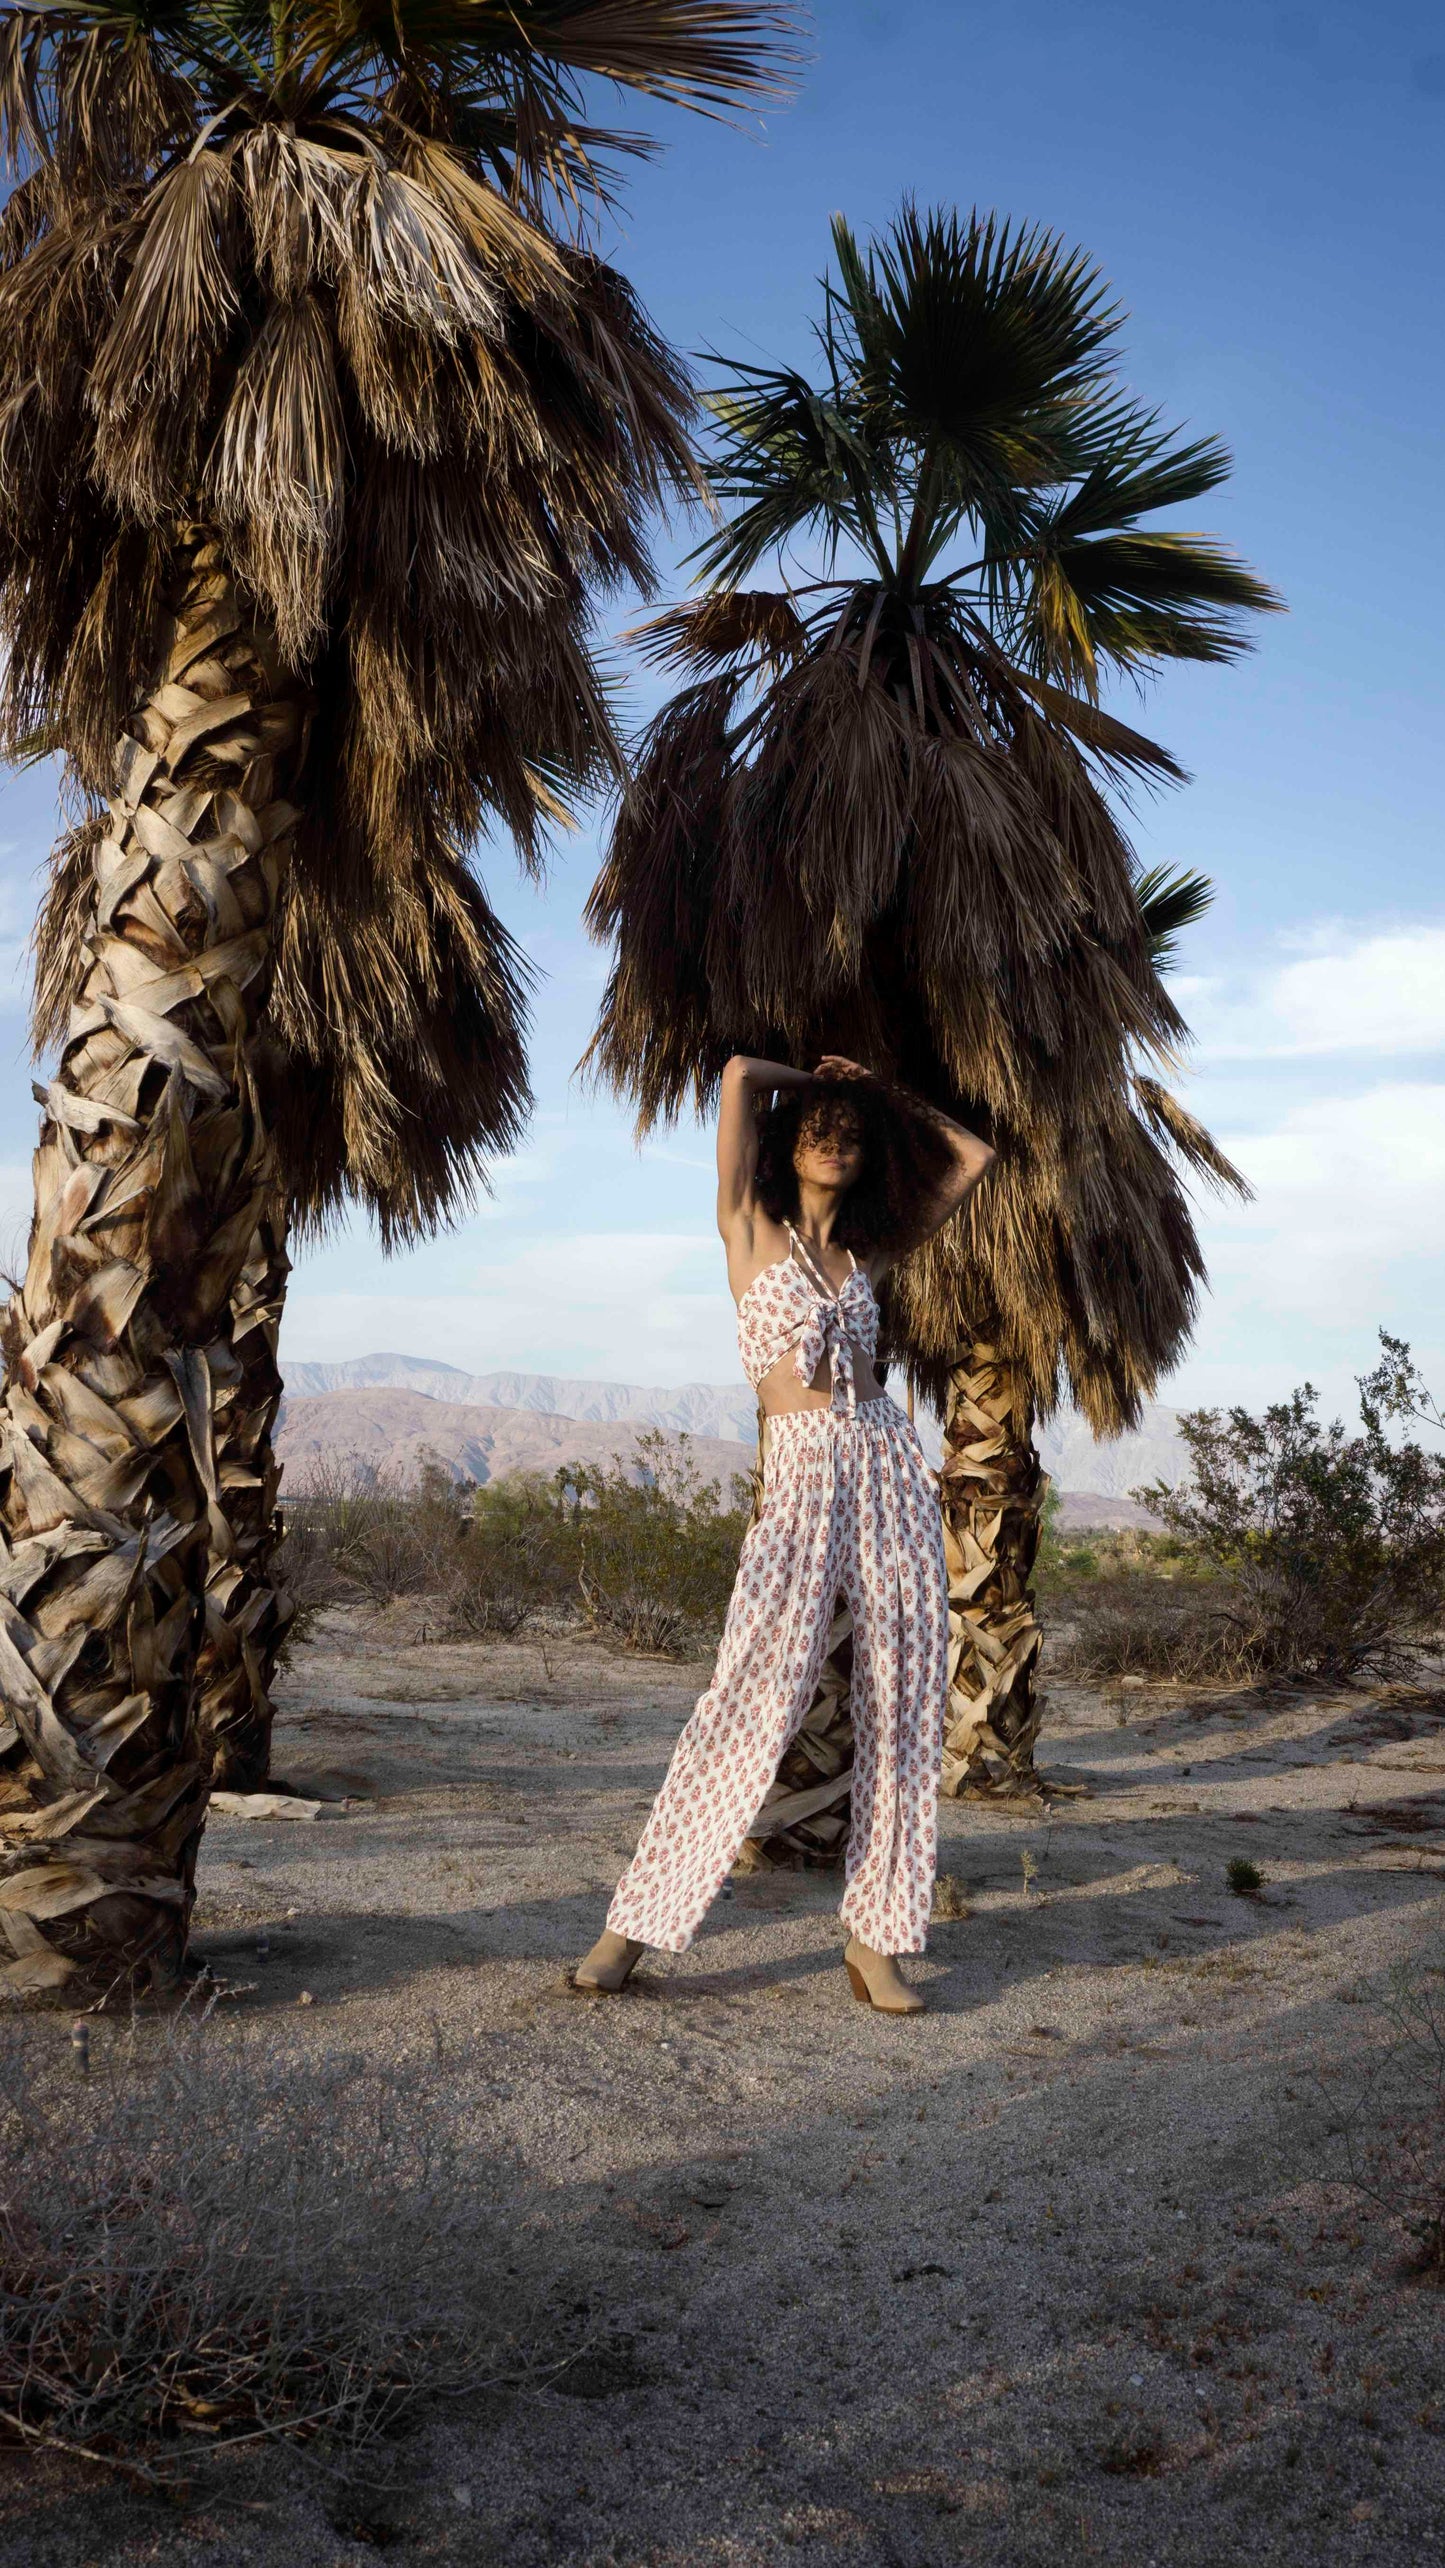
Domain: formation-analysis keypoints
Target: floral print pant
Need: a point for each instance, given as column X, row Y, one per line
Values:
column 848, row 1506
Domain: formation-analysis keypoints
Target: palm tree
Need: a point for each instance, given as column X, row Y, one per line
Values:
column 874, row 821
column 318, row 437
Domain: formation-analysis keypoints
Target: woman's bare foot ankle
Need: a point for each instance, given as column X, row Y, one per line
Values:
column 609, row 1965
column 877, row 1977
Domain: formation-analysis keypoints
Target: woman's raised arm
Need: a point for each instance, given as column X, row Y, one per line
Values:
column 743, row 1082
column 972, row 1159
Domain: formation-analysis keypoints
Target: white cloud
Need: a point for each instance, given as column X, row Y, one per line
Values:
column 1380, row 992
column 1346, row 1233
column 626, row 1306
column 1346, row 1186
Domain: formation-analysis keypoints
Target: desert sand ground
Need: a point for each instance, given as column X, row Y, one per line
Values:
column 1046, row 2275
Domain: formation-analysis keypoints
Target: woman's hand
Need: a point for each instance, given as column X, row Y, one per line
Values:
column 835, row 1065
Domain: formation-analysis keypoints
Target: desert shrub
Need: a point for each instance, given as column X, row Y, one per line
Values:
column 483, row 1558
column 397, row 1537
column 305, row 1569
column 505, row 1564
column 202, row 2250
column 351, row 1530
column 643, row 1547
column 652, row 1545
column 1333, row 1543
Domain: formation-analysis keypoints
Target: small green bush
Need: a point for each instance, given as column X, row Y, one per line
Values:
column 1108, row 1553
column 653, row 1547
column 642, row 1548
column 1332, row 1543
column 1243, row 1877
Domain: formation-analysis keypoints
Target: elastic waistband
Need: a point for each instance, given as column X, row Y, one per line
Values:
column 870, row 1418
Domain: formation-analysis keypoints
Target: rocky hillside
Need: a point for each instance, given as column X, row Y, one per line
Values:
column 699, row 1408
column 398, row 1432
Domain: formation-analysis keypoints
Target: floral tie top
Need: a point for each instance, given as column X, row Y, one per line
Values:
column 791, row 1304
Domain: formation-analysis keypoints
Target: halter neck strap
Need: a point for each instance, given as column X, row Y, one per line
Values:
column 812, row 1269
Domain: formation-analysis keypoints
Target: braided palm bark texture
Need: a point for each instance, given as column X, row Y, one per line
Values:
column 153, row 1179
column 247, row 1613
column 993, row 1488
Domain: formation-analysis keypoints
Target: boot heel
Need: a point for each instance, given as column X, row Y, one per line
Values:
column 858, row 1984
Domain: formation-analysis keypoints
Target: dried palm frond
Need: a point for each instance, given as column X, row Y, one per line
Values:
column 706, row 633
column 277, row 474
column 400, row 1047
column 1173, row 1123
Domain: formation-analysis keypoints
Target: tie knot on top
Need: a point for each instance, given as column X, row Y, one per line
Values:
column 791, row 1307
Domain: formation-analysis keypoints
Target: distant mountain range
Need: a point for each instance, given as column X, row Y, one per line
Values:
column 696, row 1408
column 398, row 1432
column 503, row 1422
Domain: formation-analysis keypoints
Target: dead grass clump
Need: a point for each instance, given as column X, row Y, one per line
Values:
column 950, row 1898
column 202, row 2250
column 1383, row 2108
column 1192, row 1633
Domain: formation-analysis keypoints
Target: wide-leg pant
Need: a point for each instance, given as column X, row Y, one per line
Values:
column 848, row 1506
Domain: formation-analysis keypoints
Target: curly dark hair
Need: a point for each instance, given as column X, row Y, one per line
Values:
column 905, row 1158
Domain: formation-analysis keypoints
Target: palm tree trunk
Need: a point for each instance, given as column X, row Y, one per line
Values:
column 804, row 1819
column 994, row 1488
column 151, row 1177
column 247, row 1611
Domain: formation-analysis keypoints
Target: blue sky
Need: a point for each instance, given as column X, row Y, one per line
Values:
column 1264, row 187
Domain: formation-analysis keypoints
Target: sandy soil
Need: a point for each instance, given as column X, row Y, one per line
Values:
column 1043, row 2276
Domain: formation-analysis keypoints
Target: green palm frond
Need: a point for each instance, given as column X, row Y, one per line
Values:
column 969, row 396
column 795, row 462
column 1170, row 901
column 1129, row 601
column 1078, row 582
column 977, row 339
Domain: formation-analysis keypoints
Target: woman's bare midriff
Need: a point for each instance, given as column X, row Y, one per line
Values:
column 780, row 1392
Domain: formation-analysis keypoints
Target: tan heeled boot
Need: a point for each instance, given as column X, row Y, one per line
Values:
column 877, row 1981
column 608, row 1966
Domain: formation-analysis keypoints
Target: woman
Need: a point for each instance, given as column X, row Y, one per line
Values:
column 842, row 1178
